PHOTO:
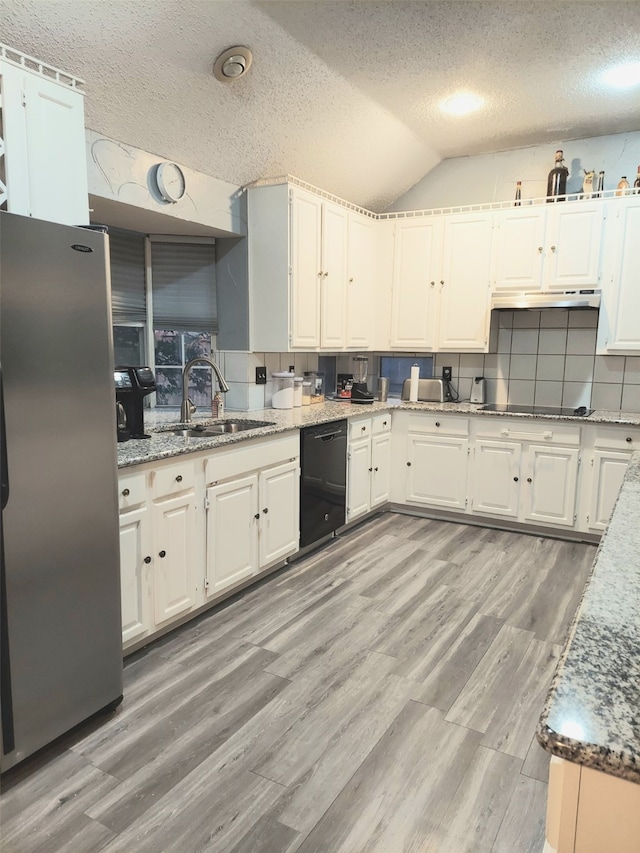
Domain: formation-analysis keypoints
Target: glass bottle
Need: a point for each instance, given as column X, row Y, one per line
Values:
column 518, row 200
column 636, row 183
column 557, row 180
column 600, row 186
column 623, row 186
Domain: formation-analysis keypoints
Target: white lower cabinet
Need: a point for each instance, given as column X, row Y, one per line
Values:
column 368, row 464
column 135, row 574
column 609, row 449
column 252, row 513
column 433, row 451
column 183, row 543
column 513, row 477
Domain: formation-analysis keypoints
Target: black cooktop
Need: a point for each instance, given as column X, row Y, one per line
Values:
column 580, row 412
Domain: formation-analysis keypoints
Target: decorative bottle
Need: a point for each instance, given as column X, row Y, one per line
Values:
column 623, row 186
column 557, row 180
column 636, row 183
column 600, row 186
column 518, row 200
column 217, row 405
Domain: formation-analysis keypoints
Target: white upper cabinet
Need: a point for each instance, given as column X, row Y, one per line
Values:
column 417, row 261
column 361, row 281
column 619, row 326
column 306, row 270
column 548, row 247
column 45, row 160
column 333, row 295
column 302, row 250
column 466, row 276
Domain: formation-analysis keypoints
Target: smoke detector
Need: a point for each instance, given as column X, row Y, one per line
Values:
column 233, row 63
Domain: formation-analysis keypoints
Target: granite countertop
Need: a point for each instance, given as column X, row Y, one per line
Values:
column 163, row 444
column 592, row 712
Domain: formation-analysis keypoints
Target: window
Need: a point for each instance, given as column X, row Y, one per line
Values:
column 172, row 351
column 398, row 368
column 180, row 288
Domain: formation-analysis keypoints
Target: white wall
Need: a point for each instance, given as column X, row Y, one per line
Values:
column 492, row 177
column 121, row 191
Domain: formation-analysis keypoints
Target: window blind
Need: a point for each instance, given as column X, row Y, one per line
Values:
column 184, row 286
column 126, row 254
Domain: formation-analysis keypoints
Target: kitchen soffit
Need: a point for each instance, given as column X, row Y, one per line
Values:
column 345, row 93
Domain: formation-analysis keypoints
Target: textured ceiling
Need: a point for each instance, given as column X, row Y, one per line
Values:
column 342, row 94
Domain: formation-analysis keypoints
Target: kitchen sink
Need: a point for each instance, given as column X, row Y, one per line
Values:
column 223, row 428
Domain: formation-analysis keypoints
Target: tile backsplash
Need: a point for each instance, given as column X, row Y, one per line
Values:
column 543, row 357
column 548, row 358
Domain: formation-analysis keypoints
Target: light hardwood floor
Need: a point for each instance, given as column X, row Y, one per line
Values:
column 380, row 695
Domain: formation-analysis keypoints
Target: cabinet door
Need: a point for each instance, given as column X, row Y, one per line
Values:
column 437, row 470
column 623, row 297
column 306, row 275
column 466, row 272
column 573, row 245
column 416, row 262
column 279, row 490
column 334, row 276
column 381, row 464
column 495, row 479
column 361, row 293
column 174, row 536
column 45, row 148
column 609, row 467
column 519, row 247
column 550, row 487
column 135, row 575
column 232, row 532
column 358, row 478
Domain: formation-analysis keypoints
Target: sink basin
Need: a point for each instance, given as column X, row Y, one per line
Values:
column 223, row 428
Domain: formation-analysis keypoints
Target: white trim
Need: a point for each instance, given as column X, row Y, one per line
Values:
column 30, row 63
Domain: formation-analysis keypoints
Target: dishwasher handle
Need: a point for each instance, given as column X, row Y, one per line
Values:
column 329, row 436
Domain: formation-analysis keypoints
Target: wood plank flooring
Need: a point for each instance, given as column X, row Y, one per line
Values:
column 379, row 696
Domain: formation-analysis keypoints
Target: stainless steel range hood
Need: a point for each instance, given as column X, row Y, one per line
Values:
column 539, row 301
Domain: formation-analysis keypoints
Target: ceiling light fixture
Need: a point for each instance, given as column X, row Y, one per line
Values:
column 461, row 104
column 623, row 76
column 233, row 63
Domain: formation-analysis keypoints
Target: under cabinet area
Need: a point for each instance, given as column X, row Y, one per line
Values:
column 368, row 464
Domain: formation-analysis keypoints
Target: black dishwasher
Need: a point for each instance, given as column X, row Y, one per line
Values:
column 323, row 480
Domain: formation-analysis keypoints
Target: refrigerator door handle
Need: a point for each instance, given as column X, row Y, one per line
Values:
column 4, row 471
column 6, row 698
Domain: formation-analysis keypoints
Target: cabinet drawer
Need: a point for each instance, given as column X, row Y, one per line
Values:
column 250, row 456
column 132, row 490
column 381, row 423
column 618, row 438
column 360, row 428
column 172, row 479
column 437, row 424
column 540, row 431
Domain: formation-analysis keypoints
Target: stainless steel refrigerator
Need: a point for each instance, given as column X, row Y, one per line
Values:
column 61, row 650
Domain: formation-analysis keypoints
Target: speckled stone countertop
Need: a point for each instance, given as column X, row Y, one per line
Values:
column 592, row 713
column 163, row 444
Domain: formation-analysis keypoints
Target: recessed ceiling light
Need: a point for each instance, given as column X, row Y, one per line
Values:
column 233, row 63
column 461, row 104
column 623, row 76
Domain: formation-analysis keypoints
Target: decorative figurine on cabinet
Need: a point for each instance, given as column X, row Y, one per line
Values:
column 587, row 184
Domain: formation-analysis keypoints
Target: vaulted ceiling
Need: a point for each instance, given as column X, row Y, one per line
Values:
column 344, row 94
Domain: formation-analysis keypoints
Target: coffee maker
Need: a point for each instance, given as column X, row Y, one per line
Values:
column 133, row 384
column 360, row 392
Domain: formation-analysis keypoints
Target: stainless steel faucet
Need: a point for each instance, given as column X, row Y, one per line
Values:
column 187, row 407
